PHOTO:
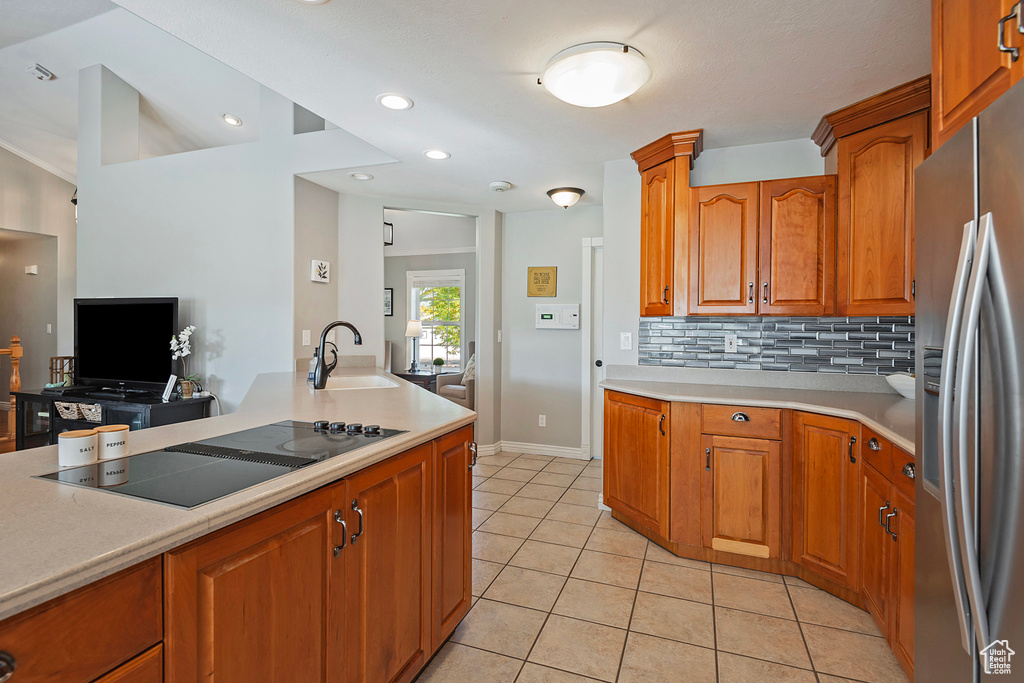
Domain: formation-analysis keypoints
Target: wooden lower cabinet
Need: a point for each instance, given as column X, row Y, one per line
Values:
column 453, row 533
column 146, row 668
column 636, row 461
column 262, row 599
column 741, row 502
column 901, row 632
column 826, row 475
column 877, row 550
column 388, row 565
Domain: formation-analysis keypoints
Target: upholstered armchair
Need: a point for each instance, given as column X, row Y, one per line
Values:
column 458, row 389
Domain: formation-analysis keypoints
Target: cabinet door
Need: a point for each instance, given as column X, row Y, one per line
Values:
column 146, row 668
column 741, row 497
column 875, row 265
column 797, row 247
column 723, row 249
column 877, row 551
column 636, row 459
column 657, row 216
column 453, row 550
column 968, row 70
column 387, row 564
column 825, row 481
column 901, row 636
column 259, row 600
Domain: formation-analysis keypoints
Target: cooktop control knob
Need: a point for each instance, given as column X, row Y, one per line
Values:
column 354, row 428
column 337, row 426
column 371, row 430
column 320, row 425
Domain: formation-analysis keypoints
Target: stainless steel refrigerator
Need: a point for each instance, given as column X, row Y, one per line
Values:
column 969, row 579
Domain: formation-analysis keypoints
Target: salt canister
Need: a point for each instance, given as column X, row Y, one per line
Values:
column 76, row 448
column 112, row 442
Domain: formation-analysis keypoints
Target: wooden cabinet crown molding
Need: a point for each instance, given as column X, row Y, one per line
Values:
column 911, row 97
column 687, row 143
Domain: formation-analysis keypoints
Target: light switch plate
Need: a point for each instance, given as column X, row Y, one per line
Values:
column 731, row 343
column 625, row 341
column 305, row 338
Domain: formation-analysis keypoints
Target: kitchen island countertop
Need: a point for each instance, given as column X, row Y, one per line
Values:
column 55, row 537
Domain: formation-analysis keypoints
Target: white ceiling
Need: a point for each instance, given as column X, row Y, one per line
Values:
column 26, row 19
column 183, row 91
column 746, row 72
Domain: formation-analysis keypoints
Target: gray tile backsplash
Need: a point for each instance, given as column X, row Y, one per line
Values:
column 861, row 346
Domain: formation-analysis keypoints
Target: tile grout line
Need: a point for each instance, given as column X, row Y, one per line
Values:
column 800, row 626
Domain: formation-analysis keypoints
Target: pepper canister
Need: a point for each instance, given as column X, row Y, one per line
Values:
column 112, row 441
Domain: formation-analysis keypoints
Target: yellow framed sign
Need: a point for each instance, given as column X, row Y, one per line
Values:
column 542, row 281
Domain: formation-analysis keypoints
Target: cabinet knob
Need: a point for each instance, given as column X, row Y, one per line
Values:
column 7, row 666
column 740, row 417
column 908, row 470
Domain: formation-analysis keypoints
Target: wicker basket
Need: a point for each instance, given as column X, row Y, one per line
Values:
column 68, row 411
column 92, row 413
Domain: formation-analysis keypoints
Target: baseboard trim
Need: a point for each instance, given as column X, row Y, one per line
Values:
column 488, row 449
column 543, row 449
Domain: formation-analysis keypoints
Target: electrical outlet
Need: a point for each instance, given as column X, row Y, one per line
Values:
column 49, row 328
column 542, row 420
column 625, row 341
column 499, row 336
column 731, row 343
column 305, row 338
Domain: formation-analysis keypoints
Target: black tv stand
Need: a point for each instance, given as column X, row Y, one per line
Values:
column 112, row 392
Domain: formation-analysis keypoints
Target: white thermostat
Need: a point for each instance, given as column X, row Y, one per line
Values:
column 558, row 316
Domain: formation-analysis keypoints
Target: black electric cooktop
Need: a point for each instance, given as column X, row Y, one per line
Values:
column 190, row 474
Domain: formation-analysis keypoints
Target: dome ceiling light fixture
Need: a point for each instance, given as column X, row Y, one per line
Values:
column 565, row 196
column 596, row 74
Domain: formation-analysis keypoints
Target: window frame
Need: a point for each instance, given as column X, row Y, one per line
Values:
column 421, row 279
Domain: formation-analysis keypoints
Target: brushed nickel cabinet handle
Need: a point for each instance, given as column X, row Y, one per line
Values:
column 740, row 417
column 887, row 518
column 339, row 518
column 7, row 666
column 1003, row 47
column 881, row 510
column 873, row 444
column 355, row 506
column 473, row 449
column 707, row 459
column 765, row 299
column 750, row 296
column 853, row 440
column 908, row 470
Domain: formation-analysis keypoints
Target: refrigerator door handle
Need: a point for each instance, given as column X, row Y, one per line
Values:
column 947, row 398
column 961, row 472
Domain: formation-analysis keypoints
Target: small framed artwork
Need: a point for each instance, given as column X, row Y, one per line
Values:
column 389, row 293
column 389, row 234
column 542, row 281
column 320, row 271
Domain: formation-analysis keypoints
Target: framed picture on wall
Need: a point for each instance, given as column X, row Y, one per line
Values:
column 389, row 234
column 389, row 293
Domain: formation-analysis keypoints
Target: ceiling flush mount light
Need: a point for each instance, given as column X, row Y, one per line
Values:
column 360, row 176
column 596, row 74
column 394, row 101
column 500, row 186
column 565, row 196
column 436, row 154
column 232, row 120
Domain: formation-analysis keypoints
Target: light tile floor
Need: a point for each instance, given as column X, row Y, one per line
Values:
column 564, row 593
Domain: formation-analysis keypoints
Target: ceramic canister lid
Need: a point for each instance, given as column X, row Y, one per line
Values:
column 112, row 428
column 76, row 434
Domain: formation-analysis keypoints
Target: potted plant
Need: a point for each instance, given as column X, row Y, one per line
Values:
column 438, row 362
column 181, row 348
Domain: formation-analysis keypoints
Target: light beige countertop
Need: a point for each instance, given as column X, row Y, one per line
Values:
column 891, row 415
column 57, row 537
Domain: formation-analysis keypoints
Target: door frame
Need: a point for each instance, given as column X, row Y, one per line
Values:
column 591, row 397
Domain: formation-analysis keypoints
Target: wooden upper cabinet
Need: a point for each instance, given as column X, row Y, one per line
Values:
column 388, row 569
column 968, row 69
column 824, row 500
column 797, row 247
column 636, row 461
column 665, row 166
column 260, row 600
column 876, row 217
column 656, row 239
column 453, row 524
column 723, row 249
column 741, row 507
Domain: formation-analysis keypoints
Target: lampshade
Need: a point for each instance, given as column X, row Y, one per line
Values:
column 596, row 74
column 565, row 196
column 413, row 329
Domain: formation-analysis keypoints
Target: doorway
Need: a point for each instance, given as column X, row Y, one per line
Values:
column 592, row 442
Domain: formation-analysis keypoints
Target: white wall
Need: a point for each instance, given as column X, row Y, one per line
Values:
column 214, row 227
column 787, row 159
column 541, row 368
column 316, row 237
column 430, row 233
column 36, row 201
column 361, row 275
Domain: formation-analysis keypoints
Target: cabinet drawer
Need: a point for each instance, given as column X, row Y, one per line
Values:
column 876, row 451
column 761, row 423
column 902, row 469
column 80, row 636
column 146, row 668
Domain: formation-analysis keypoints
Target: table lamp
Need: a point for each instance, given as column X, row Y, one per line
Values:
column 413, row 330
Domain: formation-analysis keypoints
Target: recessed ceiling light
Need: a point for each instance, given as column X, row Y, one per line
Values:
column 394, row 101
column 437, row 154
column 596, row 74
column 232, row 120
column 360, row 176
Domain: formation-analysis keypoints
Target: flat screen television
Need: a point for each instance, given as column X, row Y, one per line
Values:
column 125, row 344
